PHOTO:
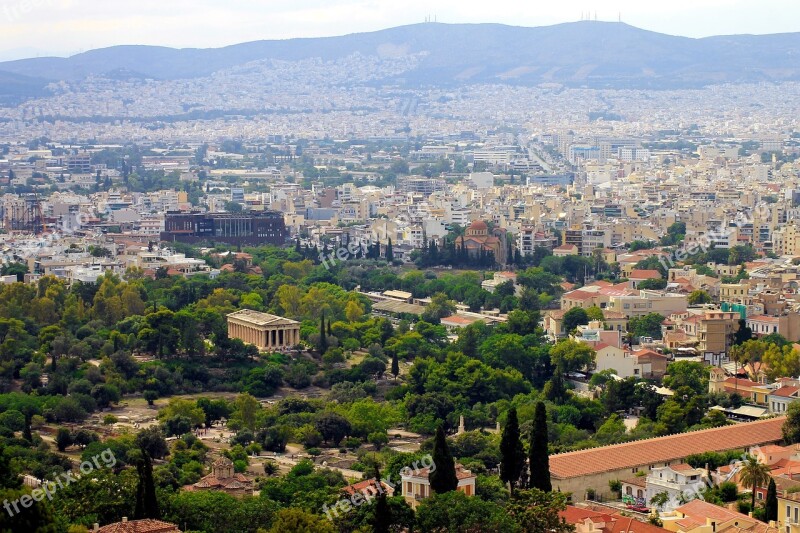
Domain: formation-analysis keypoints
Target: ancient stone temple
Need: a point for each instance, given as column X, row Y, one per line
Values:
column 267, row 332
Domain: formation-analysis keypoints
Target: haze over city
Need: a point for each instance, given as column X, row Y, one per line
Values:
column 66, row 27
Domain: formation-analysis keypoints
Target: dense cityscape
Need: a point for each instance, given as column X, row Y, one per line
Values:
column 289, row 296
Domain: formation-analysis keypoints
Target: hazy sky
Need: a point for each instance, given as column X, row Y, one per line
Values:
column 66, row 27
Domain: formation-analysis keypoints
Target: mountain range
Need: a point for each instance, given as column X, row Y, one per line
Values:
column 579, row 54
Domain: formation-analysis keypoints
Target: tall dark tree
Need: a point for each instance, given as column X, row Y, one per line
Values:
column 395, row 365
column 511, row 451
column 443, row 477
column 330, row 330
column 538, row 455
column 771, row 503
column 389, row 251
column 323, row 339
column 146, row 501
column 26, row 432
column 383, row 513
column 743, row 334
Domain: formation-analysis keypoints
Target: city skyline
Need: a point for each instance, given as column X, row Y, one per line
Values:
column 65, row 27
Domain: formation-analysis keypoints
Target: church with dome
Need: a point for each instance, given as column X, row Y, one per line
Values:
column 479, row 239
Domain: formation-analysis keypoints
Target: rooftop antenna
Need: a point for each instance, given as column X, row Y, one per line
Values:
column 595, row 16
column 619, row 16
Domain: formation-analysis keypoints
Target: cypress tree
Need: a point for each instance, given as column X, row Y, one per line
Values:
column 330, row 331
column 538, row 455
column 511, row 451
column 146, row 501
column 389, row 251
column 443, row 478
column 26, row 433
column 395, row 365
column 771, row 503
column 323, row 340
column 383, row 514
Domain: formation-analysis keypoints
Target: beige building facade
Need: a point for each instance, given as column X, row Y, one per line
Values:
column 267, row 332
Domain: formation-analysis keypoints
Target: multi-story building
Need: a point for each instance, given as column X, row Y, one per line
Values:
column 253, row 228
column 647, row 302
column 715, row 331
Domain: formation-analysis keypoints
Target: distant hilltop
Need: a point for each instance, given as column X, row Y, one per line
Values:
column 577, row 54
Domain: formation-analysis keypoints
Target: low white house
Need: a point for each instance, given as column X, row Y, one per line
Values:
column 416, row 486
column 640, row 364
column 681, row 482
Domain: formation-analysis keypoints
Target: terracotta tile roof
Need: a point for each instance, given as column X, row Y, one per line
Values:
column 773, row 448
column 580, row 295
column 458, row 320
column 369, row 485
column 614, row 522
column 640, row 481
column 663, row 449
column 140, row 526
column 701, row 509
column 785, row 392
column 648, row 354
column 763, row 318
column 698, row 510
column 675, row 336
column 784, row 467
column 644, row 274
column 741, row 382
